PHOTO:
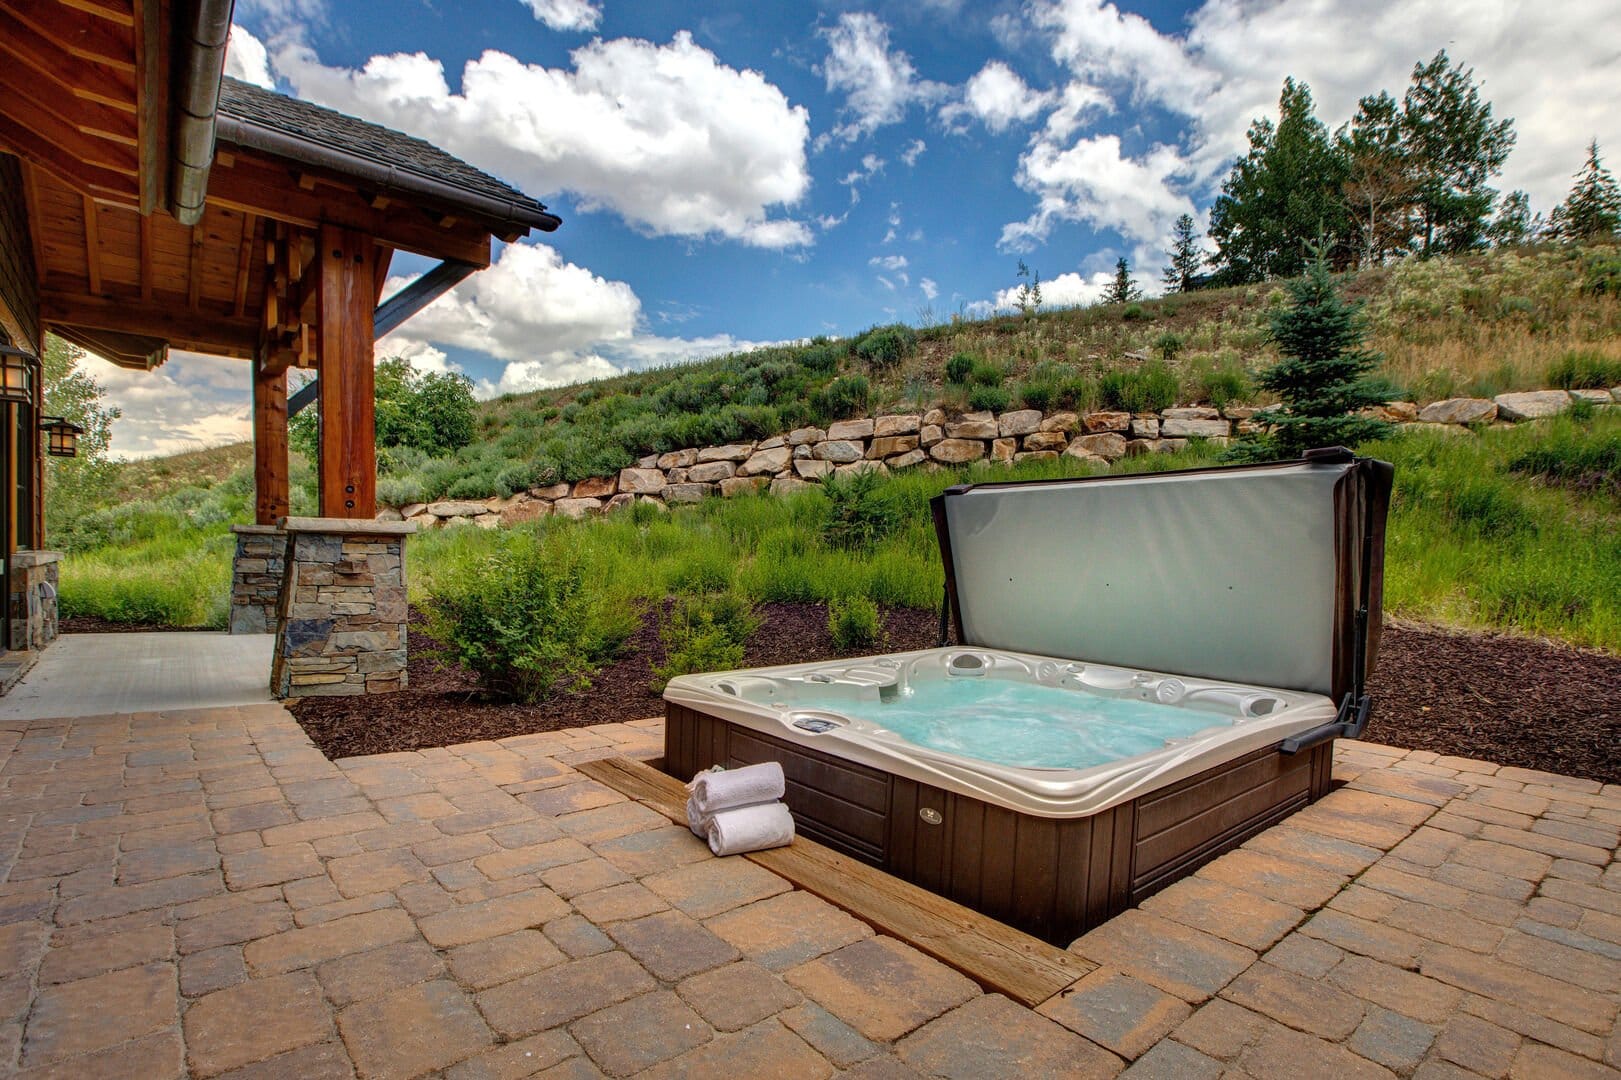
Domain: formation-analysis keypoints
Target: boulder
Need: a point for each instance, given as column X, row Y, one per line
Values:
column 1239, row 412
column 938, row 416
column 1597, row 397
column 1183, row 428
column 850, row 429
column 890, row 445
column 1036, row 455
column 1396, row 412
column 1085, row 456
column 729, row 452
column 1004, row 449
column 1108, row 445
column 812, row 469
column 623, row 501
column 487, row 521
column 907, row 460
column 711, row 472
column 1192, row 412
column 577, row 508
column 1251, row 427
column 931, row 434
column 1536, row 405
column 771, row 443
column 1134, row 447
column 1139, row 355
column 641, row 481
column 765, row 462
column 596, row 487
column 957, row 451
column 550, row 493
column 651, row 461
column 528, row 510
column 687, row 493
column 900, row 424
column 1043, row 441
column 1060, row 421
column 967, row 428
column 802, row 451
column 743, row 485
column 787, row 485
column 1435, row 429
column 649, row 500
column 676, row 476
column 838, row 451
column 456, row 508
column 1459, row 410
column 1018, row 422
column 1145, row 427
column 388, row 513
column 805, row 435
column 411, row 510
column 1098, row 422
column 678, row 459
column 1171, row 446
column 862, row 467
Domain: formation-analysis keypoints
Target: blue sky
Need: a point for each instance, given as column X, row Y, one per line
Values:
column 737, row 173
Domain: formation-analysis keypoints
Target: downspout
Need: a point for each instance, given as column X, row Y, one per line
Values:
column 197, row 95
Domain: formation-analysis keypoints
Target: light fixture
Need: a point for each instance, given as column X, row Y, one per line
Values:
column 17, row 375
column 61, row 436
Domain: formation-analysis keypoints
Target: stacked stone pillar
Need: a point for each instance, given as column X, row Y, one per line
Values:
column 340, row 625
column 256, row 573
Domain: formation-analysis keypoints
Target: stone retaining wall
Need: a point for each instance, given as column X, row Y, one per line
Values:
column 256, row 573
column 805, row 456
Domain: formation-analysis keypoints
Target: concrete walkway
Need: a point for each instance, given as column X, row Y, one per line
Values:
column 142, row 673
column 202, row 893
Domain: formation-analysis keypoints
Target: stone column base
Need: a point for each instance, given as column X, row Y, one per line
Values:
column 340, row 623
column 33, row 600
column 256, row 573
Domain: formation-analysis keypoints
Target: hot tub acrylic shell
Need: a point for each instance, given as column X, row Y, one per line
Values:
column 1258, row 579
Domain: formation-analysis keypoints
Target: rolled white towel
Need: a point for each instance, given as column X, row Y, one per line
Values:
column 713, row 791
column 751, row 828
column 697, row 820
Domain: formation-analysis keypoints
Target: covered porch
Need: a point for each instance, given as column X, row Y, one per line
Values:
column 147, row 202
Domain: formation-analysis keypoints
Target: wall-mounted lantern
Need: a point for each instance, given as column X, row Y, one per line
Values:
column 61, row 436
column 17, row 375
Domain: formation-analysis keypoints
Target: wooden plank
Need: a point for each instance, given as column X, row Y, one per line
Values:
column 92, row 245
column 36, row 223
column 85, row 81
column 146, row 258
column 998, row 957
column 113, row 12
column 348, row 467
column 270, row 484
column 89, row 40
column 164, row 318
column 244, row 262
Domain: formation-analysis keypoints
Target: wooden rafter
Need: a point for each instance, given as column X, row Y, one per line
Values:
column 119, row 14
column 88, row 81
column 36, row 231
column 164, row 318
column 194, row 272
column 244, row 262
column 92, row 245
column 152, row 115
column 79, row 35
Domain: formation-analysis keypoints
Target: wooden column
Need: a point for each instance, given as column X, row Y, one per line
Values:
column 269, row 441
column 346, row 289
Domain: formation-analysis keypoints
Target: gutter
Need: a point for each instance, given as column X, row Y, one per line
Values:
column 202, row 65
column 385, row 179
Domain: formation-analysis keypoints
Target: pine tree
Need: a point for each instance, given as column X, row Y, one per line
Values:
column 1379, row 186
column 1514, row 224
column 1185, row 256
column 1592, row 210
column 1455, row 148
column 1123, row 290
column 1323, row 378
column 1282, row 194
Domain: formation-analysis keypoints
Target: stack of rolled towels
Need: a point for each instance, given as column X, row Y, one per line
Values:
column 738, row 810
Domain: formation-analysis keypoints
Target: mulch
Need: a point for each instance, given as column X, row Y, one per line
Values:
column 1510, row 700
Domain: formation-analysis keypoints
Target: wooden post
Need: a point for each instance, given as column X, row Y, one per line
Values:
column 269, row 440
column 348, row 473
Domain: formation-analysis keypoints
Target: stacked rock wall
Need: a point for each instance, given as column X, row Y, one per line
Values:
column 256, row 575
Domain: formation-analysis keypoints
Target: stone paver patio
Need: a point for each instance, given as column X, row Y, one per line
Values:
column 203, row 893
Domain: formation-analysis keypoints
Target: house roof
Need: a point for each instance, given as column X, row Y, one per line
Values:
column 390, row 161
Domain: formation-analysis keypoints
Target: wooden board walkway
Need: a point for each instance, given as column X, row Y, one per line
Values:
column 993, row 954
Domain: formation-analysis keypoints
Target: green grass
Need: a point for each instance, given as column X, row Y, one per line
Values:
column 180, row 577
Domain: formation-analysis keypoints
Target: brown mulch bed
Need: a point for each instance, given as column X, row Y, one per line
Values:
column 1514, row 701
column 95, row 624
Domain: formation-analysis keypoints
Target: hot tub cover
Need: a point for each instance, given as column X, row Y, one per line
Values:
column 1269, row 575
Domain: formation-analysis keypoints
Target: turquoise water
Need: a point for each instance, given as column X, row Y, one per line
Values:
column 1027, row 724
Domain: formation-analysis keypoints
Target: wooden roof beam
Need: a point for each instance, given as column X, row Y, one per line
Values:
column 79, row 35
column 110, row 185
column 92, row 245
column 165, row 318
column 90, row 82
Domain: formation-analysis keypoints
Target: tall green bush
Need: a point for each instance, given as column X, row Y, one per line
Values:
column 706, row 632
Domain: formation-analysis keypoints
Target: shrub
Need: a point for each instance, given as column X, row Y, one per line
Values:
column 1150, row 388
column 704, row 633
column 993, row 398
column 821, row 357
column 860, row 511
column 1168, row 345
column 986, row 373
column 883, row 347
column 1219, row 386
column 843, row 398
column 1038, row 395
column 854, row 623
column 958, row 368
column 1601, row 273
column 1133, row 313
column 527, row 613
column 1586, row 369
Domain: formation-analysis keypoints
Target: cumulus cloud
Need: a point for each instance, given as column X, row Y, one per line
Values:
column 997, row 97
column 1093, row 182
column 913, row 151
column 190, row 403
column 552, row 322
column 666, row 136
column 879, row 84
column 929, row 288
column 888, row 262
column 566, row 14
column 247, row 59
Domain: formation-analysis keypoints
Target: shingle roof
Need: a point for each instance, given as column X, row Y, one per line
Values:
column 314, row 135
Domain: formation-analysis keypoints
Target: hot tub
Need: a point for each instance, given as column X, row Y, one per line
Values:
column 1150, row 670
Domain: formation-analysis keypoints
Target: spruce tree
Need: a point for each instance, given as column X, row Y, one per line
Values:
column 1323, row 378
column 1123, row 289
column 1185, row 256
column 1592, row 210
column 1514, row 223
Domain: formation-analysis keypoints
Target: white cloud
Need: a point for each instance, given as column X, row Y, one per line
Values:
column 566, row 14
column 913, row 151
column 997, row 97
column 930, row 289
column 1094, row 183
column 888, row 262
column 246, row 59
column 190, row 403
column 668, row 137
column 879, row 83
column 551, row 321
